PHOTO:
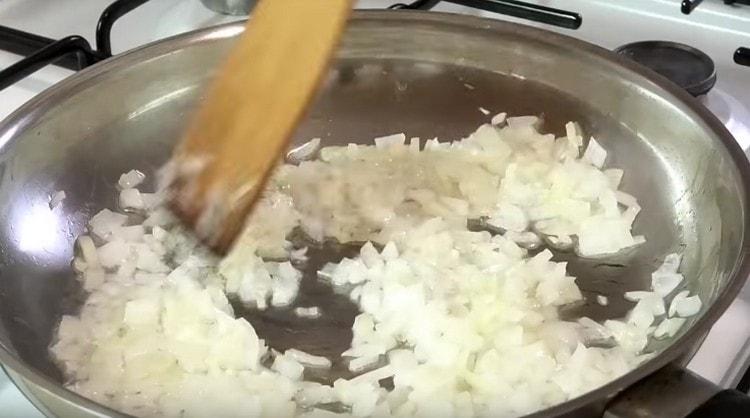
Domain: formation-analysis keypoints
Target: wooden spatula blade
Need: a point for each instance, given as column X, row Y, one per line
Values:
column 250, row 112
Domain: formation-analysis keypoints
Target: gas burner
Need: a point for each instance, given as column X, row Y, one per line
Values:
column 688, row 67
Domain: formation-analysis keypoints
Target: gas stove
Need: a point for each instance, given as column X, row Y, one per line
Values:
column 716, row 27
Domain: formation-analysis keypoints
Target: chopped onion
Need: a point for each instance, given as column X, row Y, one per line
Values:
column 299, row 254
column 668, row 327
column 87, row 250
column 528, row 239
column 390, row 140
column 308, row 312
column 510, row 218
column 458, row 320
column 285, row 285
column 523, row 121
column 362, row 363
column 626, row 199
column 600, row 235
column 666, row 278
column 685, row 306
column 131, row 179
column 614, row 175
column 56, row 199
column 675, row 302
column 664, row 283
column 131, row 199
column 304, row 152
column 595, row 154
column 308, row 360
column 499, row 119
column 572, row 134
column 104, row 223
column 288, row 367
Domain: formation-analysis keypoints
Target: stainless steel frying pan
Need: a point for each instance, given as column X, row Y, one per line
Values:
column 396, row 71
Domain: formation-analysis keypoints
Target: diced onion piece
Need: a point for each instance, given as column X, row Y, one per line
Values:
column 131, row 179
column 626, row 199
column 113, row 253
column 56, row 199
column 361, row 363
column 134, row 233
column 642, row 315
column 308, row 360
column 288, row 367
column 651, row 300
column 285, row 285
column 304, row 152
column 88, row 250
column 375, row 375
column 307, row 312
column 390, row 140
column 562, row 242
column 104, row 223
column 676, row 301
column 685, row 306
column 599, row 236
column 131, row 199
column 595, row 154
column 527, row 239
column 523, row 121
column 509, row 217
column 637, row 295
column 594, row 328
column 664, row 283
column 499, row 119
column 668, row 327
column 572, row 133
column 299, row 254
column 614, row 175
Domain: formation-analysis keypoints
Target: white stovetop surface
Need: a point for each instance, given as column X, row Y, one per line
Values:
column 714, row 28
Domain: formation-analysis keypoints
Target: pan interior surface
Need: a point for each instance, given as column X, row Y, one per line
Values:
column 426, row 77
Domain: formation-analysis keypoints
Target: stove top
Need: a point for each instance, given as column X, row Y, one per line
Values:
column 713, row 27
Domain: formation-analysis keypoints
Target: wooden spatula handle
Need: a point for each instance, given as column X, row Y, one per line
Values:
column 250, row 112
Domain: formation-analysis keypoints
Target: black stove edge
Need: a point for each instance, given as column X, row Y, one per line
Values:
column 742, row 56
column 528, row 11
column 687, row 6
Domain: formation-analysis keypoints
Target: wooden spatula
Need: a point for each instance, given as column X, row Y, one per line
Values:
column 249, row 113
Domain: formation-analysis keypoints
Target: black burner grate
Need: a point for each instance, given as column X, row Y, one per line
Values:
column 72, row 52
column 75, row 53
